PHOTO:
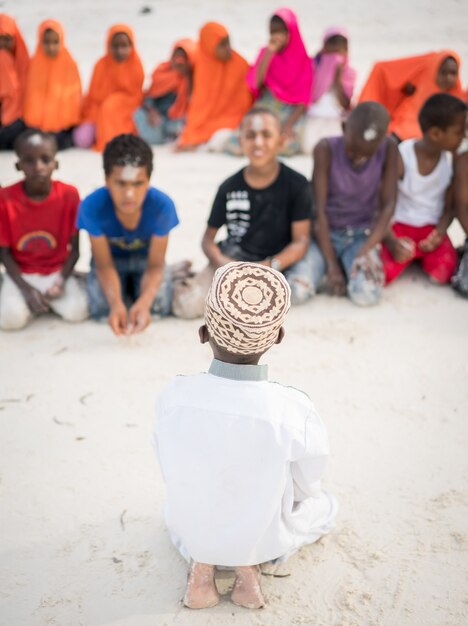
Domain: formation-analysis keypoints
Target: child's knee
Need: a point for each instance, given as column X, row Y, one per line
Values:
column 13, row 317
column 363, row 291
column 302, row 289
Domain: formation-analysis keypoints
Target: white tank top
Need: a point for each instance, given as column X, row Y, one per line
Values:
column 421, row 199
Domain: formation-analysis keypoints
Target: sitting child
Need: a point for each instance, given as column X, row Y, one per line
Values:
column 281, row 77
column 354, row 186
column 403, row 85
column 460, row 280
column 220, row 95
column 266, row 208
column 14, row 62
column 128, row 223
column 53, row 89
column 162, row 116
column 39, row 239
column 241, row 457
column 424, row 203
column 332, row 89
column 115, row 92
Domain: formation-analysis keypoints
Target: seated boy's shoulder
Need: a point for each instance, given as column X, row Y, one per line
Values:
column 292, row 394
column 66, row 190
column 294, row 176
column 96, row 200
column 155, row 197
column 236, row 180
column 181, row 387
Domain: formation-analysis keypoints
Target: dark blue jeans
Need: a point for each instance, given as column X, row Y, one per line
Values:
column 130, row 270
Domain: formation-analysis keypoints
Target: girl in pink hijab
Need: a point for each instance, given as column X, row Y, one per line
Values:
column 281, row 77
column 332, row 90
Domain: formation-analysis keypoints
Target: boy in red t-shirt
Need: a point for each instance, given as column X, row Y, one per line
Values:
column 39, row 239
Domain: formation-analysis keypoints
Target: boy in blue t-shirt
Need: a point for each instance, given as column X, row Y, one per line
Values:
column 128, row 223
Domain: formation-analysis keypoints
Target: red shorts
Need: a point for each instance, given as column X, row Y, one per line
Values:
column 440, row 264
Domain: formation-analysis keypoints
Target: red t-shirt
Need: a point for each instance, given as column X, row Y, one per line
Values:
column 38, row 233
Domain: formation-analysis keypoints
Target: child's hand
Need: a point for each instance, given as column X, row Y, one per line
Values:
column 432, row 241
column 56, row 290
column 118, row 320
column 35, row 300
column 338, row 74
column 369, row 264
column 336, row 280
column 153, row 117
column 140, row 318
column 403, row 249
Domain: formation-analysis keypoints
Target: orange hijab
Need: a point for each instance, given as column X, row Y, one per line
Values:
column 387, row 79
column 115, row 92
column 220, row 96
column 167, row 80
column 53, row 89
column 13, row 70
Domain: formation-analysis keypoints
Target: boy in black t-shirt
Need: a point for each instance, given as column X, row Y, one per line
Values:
column 266, row 208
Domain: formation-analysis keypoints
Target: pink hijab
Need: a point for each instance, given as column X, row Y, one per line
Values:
column 289, row 75
column 325, row 68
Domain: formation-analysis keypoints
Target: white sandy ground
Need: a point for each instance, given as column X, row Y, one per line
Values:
column 82, row 535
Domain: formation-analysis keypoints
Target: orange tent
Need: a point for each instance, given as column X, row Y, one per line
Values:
column 165, row 80
column 13, row 70
column 115, row 92
column 388, row 78
column 220, row 96
column 53, row 89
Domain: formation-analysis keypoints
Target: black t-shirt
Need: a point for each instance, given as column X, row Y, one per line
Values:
column 259, row 220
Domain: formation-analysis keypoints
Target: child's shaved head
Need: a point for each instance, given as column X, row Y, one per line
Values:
column 33, row 136
column 368, row 121
column 260, row 111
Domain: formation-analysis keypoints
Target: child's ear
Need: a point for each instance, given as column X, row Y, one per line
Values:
column 203, row 334
column 281, row 334
column 434, row 134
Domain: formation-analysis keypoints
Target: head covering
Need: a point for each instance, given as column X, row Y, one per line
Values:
column 165, row 80
column 326, row 64
column 53, row 89
column 13, row 72
column 289, row 74
column 220, row 96
column 115, row 92
column 387, row 79
column 246, row 306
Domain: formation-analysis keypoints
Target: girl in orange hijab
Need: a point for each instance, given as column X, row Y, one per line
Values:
column 220, row 95
column 115, row 92
column 53, row 88
column 403, row 85
column 14, row 61
column 162, row 115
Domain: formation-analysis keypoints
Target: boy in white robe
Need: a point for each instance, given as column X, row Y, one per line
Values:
column 241, row 457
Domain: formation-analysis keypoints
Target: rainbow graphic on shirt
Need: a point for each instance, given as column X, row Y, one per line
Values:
column 36, row 236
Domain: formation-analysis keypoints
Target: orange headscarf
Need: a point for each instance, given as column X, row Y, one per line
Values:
column 387, row 79
column 220, row 96
column 115, row 92
column 53, row 89
column 13, row 71
column 167, row 80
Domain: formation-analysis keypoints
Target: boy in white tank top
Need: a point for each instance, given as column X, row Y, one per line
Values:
column 424, row 203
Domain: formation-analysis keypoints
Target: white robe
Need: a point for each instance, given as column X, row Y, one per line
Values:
column 242, row 461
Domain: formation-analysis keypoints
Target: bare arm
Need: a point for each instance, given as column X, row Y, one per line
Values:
column 56, row 290
column 322, row 157
column 212, row 250
column 387, row 200
column 436, row 236
column 263, row 67
column 337, row 87
column 294, row 251
column 140, row 312
column 297, row 113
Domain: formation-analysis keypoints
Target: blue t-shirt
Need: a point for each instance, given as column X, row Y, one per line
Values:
column 97, row 216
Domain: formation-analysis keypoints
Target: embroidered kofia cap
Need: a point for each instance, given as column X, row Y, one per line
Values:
column 246, row 306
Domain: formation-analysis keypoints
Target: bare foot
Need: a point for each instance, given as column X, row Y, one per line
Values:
column 247, row 591
column 201, row 592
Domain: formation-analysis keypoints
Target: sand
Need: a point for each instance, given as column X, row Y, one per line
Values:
column 82, row 534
